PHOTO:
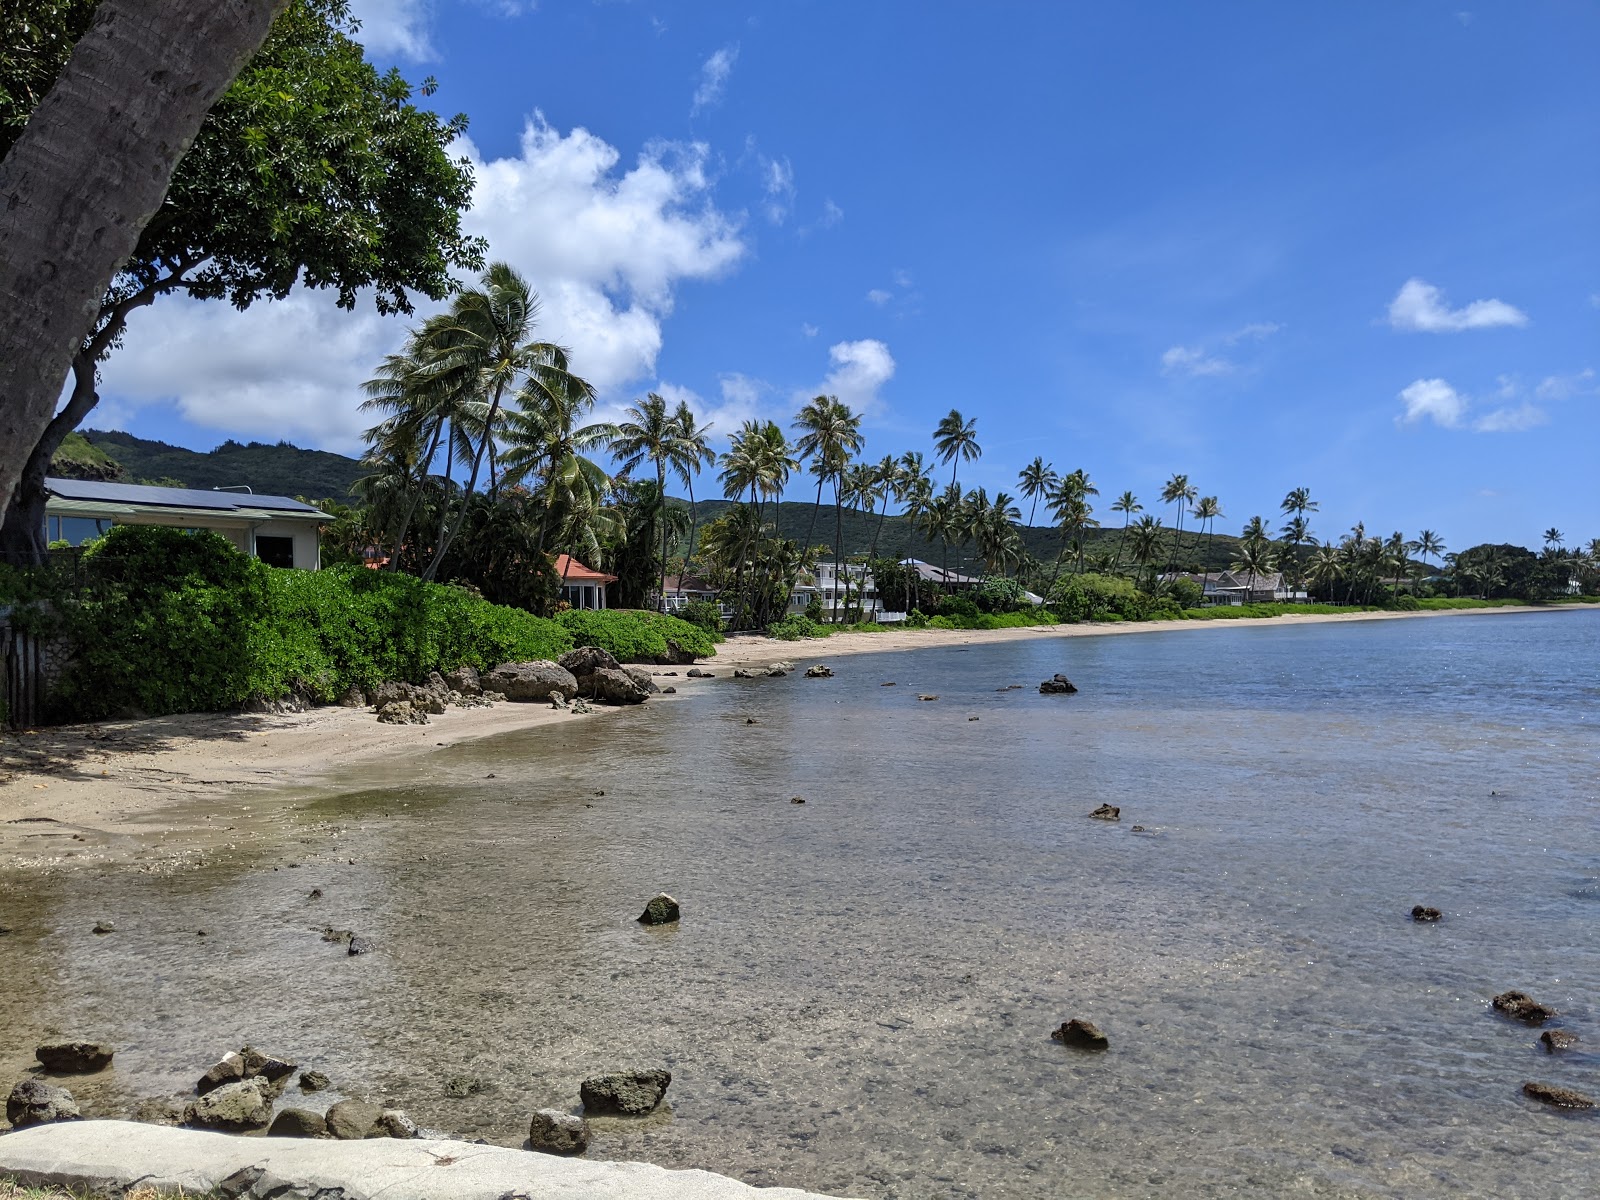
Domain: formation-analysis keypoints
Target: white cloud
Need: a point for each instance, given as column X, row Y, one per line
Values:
column 1193, row 361
column 605, row 250
column 860, row 369
column 777, row 181
column 1434, row 400
column 810, row 330
column 1512, row 419
column 396, row 28
column 714, row 74
column 879, row 297
column 1564, row 387
column 1254, row 332
column 832, row 214
column 1419, row 307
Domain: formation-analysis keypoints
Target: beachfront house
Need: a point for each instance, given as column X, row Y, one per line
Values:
column 1239, row 587
column 681, row 590
column 279, row 530
column 850, row 584
column 581, row 586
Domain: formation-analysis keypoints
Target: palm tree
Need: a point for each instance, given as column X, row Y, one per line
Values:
column 942, row 520
column 1146, row 541
column 1206, row 510
column 1257, row 556
column 1177, row 491
column 830, row 435
column 693, row 451
column 545, row 443
column 1036, row 479
column 1326, row 567
column 1127, row 504
column 1296, row 504
column 1553, row 538
column 650, row 432
column 956, row 439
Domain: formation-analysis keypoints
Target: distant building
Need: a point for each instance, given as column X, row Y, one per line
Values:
column 1237, row 587
column 682, row 589
column 279, row 530
column 581, row 586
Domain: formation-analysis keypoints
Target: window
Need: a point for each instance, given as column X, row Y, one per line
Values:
column 75, row 531
column 275, row 551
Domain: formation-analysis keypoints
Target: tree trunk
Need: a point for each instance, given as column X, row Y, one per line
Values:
column 661, row 514
column 694, row 520
column 838, row 541
column 88, row 172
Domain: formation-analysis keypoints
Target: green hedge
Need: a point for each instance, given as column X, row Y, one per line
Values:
column 1245, row 612
column 633, row 635
column 793, row 628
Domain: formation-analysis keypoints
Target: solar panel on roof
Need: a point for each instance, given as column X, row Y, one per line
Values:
column 166, row 497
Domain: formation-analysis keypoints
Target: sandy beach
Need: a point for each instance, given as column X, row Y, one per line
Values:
column 161, row 788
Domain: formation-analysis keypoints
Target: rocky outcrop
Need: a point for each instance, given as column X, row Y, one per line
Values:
column 248, row 1063
column 611, row 685
column 394, row 1123
column 35, row 1103
column 586, row 659
column 522, row 682
column 233, row 1107
column 1081, row 1035
column 298, row 1123
column 314, row 1081
column 629, row 1093
column 353, row 697
column 1057, row 685
column 1425, row 915
column 552, row 1131
column 744, row 673
column 819, row 671
column 641, row 676
column 464, row 680
column 74, row 1058
column 400, row 712
column 1560, row 1097
column 353, row 1120
column 662, row 910
column 1107, row 812
column 1522, row 1007
column 1558, row 1039
column 697, row 673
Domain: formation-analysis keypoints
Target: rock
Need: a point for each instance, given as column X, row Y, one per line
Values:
column 157, row 1112
column 522, row 682
column 925, row 696
column 104, row 927
column 464, row 680
column 401, row 712
column 274, row 1070
column 353, row 697
column 558, row 700
column 1522, row 1007
column 396, row 1124
column 330, row 934
column 743, row 673
column 358, row 945
column 669, row 690
column 1420, row 913
column 34, row 1103
column 298, row 1123
column 697, row 673
column 1083, row 1035
column 352, row 1120
column 233, row 1107
column 74, row 1058
column 554, row 1132
column 776, row 673
column 425, row 700
column 1057, row 684
column 818, row 671
column 1107, row 812
column 392, row 692
column 891, row 683
column 631, row 1093
column 227, row 1069
column 797, row 799
column 1558, row 1039
column 642, row 677
column 314, row 1081
column 459, row 1087
column 585, row 660
column 780, row 666
column 662, row 910
column 676, row 655
column 1561, row 1097
column 612, row 685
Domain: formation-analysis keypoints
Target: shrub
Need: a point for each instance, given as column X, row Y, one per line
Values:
column 1185, row 593
column 814, row 609
column 957, row 606
column 1092, row 597
column 1407, row 603
column 997, row 594
column 705, row 614
column 793, row 628
column 632, row 635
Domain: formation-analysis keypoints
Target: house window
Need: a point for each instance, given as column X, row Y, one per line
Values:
column 275, row 551
column 75, row 531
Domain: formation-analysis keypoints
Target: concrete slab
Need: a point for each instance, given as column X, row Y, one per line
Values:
column 106, row 1155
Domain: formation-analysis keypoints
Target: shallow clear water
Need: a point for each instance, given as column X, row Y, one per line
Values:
column 859, row 997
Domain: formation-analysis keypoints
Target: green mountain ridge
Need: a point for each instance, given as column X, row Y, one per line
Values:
column 280, row 470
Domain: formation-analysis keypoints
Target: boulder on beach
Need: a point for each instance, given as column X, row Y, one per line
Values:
column 1560, row 1097
column 395, row 1123
column 1558, row 1039
column 743, row 673
column 353, row 1120
column 1522, row 1007
column 314, row 1081
column 641, row 676
column 1057, row 684
column 401, row 712
column 697, row 673
column 588, row 659
column 353, row 697
column 552, row 1131
column 662, row 910
column 274, row 1070
column 612, row 685
column 298, row 1123
column 33, row 1102
column 465, row 680
column 227, row 1069
column 74, row 1058
column 522, row 682
column 1107, row 812
column 1080, row 1034
column 1425, row 914
column 233, row 1107
column 631, row 1092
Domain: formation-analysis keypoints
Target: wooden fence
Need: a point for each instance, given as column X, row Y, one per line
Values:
column 22, row 666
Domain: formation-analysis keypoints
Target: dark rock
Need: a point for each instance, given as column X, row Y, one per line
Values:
column 74, row 1058
column 662, row 910
column 353, row 697
column 669, row 690
column 330, row 934
column 233, row 1107
column 35, row 1103
column 104, row 927
column 1522, row 1007
column 676, row 655
column 402, row 712
column 1139, row 829
column 314, row 1081
column 157, row 1112
column 818, row 671
column 642, row 677
column 630, row 1093
column 316, row 894
column 924, row 696
column 697, row 673
column 396, row 1124
column 1058, row 685
column 1420, row 913
column 352, row 1120
column 749, row 720
column 797, row 799
column 523, row 682
column 585, row 660
column 274, row 1070
column 1107, row 812
column 744, row 673
column 298, row 1123
column 464, row 680
column 459, row 1087
column 1083, row 1035
column 554, row 1132
column 358, row 945
column 227, row 1069
column 1558, row 1039
column 612, row 686
column 1561, row 1097
column 392, row 692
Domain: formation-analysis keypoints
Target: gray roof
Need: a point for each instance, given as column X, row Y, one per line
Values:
column 138, row 494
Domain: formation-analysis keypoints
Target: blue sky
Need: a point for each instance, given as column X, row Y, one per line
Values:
column 1349, row 246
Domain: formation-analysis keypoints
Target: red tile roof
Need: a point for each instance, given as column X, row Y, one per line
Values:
column 573, row 571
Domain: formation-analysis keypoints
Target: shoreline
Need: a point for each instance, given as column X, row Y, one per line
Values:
column 164, row 791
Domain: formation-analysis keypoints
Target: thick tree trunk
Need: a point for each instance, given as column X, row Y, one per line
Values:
column 89, row 171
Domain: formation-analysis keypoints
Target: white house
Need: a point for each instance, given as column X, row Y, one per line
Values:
column 1237, row 587
column 279, row 530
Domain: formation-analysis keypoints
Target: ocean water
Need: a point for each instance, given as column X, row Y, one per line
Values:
column 859, row 996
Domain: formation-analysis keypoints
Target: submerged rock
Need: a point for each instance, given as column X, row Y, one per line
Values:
column 818, row 671
column 1560, row 1097
column 74, row 1058
column 669, row 690
column 358, row 945
column 157, row 1112
column 35, row 1103
column 552, row 1131
column 1107, row 812
column 233, row 1107
column 1057, row 684
column 630, row 1093
column 1082, row 1035
column 1522, row 1007
column 743, row 673
column 314, row 1081
column 104, row 927
column 352, row 1120
column 298, row 1123
column 522, row 682
column 1558, row 1039
column 1421, row 913
column 662, row 910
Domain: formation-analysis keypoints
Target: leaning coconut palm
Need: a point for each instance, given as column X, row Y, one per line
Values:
column 1127, row 504
column 1428, row 544
column 1206, row 511
column 956, row 440
column 1036, row 480
column 830, row 434
column 650, row 432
